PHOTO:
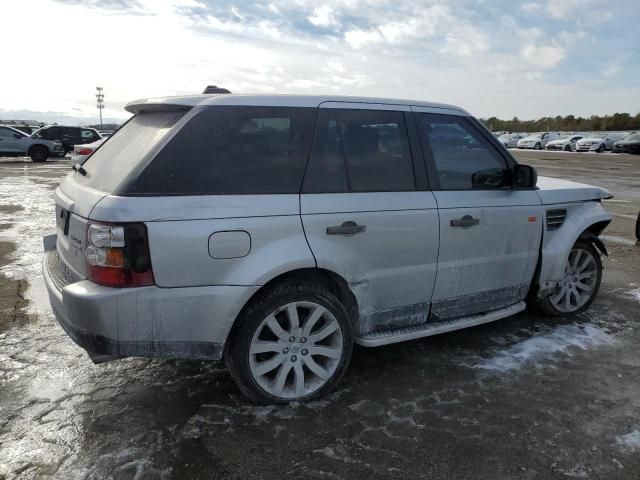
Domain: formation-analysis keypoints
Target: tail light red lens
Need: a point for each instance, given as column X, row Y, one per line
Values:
column 84, row 151
column 118, row 255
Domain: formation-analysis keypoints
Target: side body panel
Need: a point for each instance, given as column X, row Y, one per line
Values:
column 489, row 265
column 391, row 266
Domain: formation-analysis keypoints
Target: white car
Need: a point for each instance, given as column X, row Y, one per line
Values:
column 510, row 140
column 598, row 142
column 537, row 141
column 82, row 152
column 567, row 143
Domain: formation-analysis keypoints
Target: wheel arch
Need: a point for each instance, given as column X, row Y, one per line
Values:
column 329, row 279
column 586, row 221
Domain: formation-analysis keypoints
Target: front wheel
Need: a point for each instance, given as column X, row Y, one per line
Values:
column 567, row 148
column 293, row 343
column 39, row 153
column 538, row 146
column 580, row 284
column 600, row 149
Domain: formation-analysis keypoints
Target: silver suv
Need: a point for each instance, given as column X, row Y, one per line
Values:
column 274, row 232
column 14, row 143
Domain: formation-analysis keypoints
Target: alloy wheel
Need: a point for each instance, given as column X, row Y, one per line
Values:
column 579, row 282
column 296, row 350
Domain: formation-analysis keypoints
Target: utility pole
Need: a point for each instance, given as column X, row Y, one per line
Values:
column 100, row 104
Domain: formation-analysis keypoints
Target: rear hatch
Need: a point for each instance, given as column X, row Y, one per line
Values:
column 111, row 164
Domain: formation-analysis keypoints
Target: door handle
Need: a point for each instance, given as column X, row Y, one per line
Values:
column 347, row 228
column 465, row 222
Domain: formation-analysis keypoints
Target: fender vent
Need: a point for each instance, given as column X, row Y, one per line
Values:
column 555, row 218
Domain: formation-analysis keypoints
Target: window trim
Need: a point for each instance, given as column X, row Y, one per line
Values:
column 335, row 109
column 432, row 171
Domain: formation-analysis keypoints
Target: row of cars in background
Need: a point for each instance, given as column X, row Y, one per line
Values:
column 48, row 141
column 617, row 142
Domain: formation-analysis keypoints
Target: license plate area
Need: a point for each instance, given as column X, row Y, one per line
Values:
column 63, row 221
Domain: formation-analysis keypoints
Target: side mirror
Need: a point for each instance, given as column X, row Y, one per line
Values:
column 524, row 176
column 17, row 135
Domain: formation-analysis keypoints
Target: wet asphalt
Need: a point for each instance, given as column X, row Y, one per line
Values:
column 527, row 397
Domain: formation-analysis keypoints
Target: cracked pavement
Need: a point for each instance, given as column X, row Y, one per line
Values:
column 523, row 398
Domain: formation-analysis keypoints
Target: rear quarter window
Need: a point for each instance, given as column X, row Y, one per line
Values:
column 127, row 150
column 232, row 150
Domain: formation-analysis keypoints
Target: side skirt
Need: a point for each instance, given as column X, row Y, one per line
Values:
column 377, row 339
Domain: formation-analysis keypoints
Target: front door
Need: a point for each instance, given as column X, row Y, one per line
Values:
column 9, row 143
column 368, row 216
column 489, row 233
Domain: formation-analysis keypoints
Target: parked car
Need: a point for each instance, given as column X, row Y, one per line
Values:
column 510, row 140
column 318, row 222
column 597, row 142
column 68, row 136
column 567, row 143
column 628, row 144
column 82, row 152
column 15, row 143
column 537, row 141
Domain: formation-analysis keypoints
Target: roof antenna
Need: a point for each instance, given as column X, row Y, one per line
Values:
column 215, row 89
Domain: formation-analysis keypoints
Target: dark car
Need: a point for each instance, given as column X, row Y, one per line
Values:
column 68, row 136
column 629, row 144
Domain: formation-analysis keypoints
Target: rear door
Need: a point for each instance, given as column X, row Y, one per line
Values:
column 489, row 233
column 367, row 213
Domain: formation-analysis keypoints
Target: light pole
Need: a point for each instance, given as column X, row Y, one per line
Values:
column 100, row 104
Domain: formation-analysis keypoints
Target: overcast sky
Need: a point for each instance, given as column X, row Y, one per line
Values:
column 493, row 57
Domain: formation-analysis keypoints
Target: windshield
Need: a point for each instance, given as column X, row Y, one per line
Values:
column 632, row 137
column 118, row 155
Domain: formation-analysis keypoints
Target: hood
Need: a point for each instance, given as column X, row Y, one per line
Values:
column 554, row 190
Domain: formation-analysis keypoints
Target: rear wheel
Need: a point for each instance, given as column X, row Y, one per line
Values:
column 38, row 153
column 292, row 343
column 580, row 284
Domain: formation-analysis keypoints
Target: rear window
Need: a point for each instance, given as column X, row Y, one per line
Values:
column 129, row 147
column 231, row 150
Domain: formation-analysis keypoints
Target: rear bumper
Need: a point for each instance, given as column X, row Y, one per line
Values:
column 114, row 323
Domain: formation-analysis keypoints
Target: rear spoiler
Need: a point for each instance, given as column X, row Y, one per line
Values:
column 163, row 104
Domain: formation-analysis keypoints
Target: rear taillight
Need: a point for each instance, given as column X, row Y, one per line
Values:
column 84, row 151
column 118, row 255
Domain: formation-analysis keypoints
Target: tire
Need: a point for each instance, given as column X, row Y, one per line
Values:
column 267, row 359
column 555, row 304
column 537, row 147
column 567, row 148
column 38, row 153
column 638, row 227
column 600, row 149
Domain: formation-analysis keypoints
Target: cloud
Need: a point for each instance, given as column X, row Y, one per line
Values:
column 530, row 7
column 323, row 16
column 546, row 56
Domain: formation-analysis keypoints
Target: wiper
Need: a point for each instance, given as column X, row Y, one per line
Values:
column 80, row 169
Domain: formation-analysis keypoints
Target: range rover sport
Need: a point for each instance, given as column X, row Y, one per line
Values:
column 274, row 232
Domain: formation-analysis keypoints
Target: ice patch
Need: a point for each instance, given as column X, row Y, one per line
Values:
column 630, row 441
column 554, row 341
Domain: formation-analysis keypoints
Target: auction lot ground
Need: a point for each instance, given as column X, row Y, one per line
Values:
column 523, row 398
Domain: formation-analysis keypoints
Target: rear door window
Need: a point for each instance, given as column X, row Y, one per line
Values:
column 232, row 150
column 360, row 151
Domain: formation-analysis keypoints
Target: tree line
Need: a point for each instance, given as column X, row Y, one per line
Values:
column 617, row 121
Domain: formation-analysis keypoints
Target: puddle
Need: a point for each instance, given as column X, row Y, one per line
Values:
column 630, row 441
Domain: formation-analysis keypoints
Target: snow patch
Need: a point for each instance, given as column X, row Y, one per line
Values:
column 635, row 294
column 555, row 341
column 630, row 441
